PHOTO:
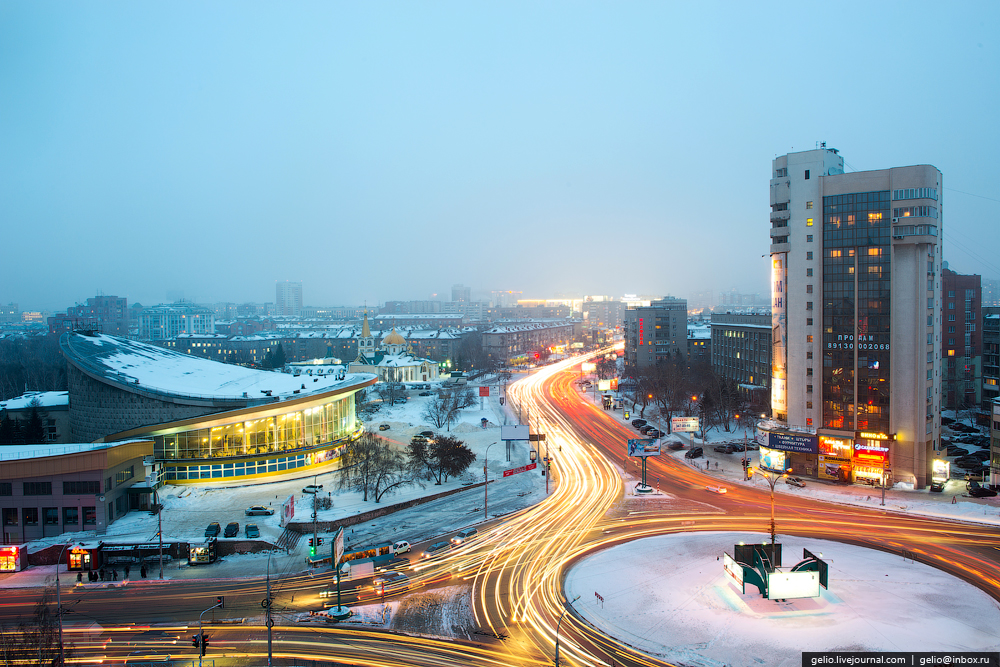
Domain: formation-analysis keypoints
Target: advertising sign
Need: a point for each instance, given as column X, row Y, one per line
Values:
column 830, row 467
column 10, row 559
column 484, row 392
column 779, row 332
column 789, row 585
column 734, row 569
column 515, row 471
column 773, row 459
column 870, row 450
column 514, row 432
column 604, row 385
column 588, row 367
column 338, row 546
column 614, row 384
column 684, row 424
column 644, row 447
column 800, row 443
column 288, row 510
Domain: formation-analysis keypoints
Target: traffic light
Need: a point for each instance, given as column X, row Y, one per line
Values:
column 204, row 643
column 196, row 641
column 220, row 601
column 319, row 541
column 311, row 542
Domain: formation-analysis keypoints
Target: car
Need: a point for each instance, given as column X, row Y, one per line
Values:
column 427, row 434
column 425, row 393
column 252, row 531
column 716, row 489
column 693, row 453
column 976, row 490
column 795, row 481
column 232, row 529
column 981, row 454
column 401, row 547
column 675, row 445
column 636, row 423
column 464, row 536
column 957, row 451
column 383, row 427
column 727, row 448
column 213, row 529
column 436, row 548
column 751, row 446
column 390, row 582
column 255, row 510
column 937, row 487
column 646, row 429
column 653, row 433
column 312, row 488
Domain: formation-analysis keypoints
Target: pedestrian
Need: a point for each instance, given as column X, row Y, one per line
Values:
column 142, row 571
column 954, row 500
column 114, row 574
column 126, row 572
column 716, row 465
column 102, row 574
column 79, row 577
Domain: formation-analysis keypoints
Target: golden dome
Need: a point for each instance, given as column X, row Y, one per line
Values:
column 393, row 338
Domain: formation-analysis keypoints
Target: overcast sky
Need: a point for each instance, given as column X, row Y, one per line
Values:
column 379, row 151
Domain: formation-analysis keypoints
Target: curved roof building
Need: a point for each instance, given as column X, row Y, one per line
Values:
column 208, row 420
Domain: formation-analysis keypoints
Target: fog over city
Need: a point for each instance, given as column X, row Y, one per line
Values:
column 377, row 151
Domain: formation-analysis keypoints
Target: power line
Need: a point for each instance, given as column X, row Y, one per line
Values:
column 974, row 195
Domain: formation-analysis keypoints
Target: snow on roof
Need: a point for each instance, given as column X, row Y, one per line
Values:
column 46, row 399
column 37, row 451
column 128, row 362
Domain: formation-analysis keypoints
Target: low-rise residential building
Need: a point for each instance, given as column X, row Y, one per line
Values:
column 53, row 410
column 511, row 343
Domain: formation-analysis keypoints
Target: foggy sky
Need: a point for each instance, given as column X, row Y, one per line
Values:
column 379, row 151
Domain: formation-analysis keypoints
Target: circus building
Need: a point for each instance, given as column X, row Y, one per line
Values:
column 208, row 421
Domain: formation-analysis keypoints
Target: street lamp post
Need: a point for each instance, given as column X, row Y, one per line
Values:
column 559, row 625
column 486, row 483
column 772, row 478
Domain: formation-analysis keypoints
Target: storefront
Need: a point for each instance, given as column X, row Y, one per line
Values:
column 870, row 463
column 81, row 559
column 10, row 559
column 786, row 451
column 835, row 458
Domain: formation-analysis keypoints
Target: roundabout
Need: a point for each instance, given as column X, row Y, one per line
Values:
column 670, row 597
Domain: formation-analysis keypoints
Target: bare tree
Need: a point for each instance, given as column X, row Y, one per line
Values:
column 443, row 409
column 36, row 639
column 391, row 390
column 372, row 467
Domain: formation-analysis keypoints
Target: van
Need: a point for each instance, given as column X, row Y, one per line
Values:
column 435, row 549
column 464, row 536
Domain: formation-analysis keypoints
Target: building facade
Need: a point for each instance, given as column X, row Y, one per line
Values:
column 655, row 332
column 288, row 298
column 170, row 320
column 961, row 341
column 510, row 344
column 991, row 356
column 856, row 313
column 741, row 351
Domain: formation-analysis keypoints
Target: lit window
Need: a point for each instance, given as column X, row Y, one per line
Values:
column 809, row 338
column 951, row 353
column 809, row 222
column 809, row 204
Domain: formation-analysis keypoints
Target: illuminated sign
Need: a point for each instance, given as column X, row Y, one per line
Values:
column 774, row 460
column 10, row 559
column 836, row 446
column 734, row 569
column 644, row 447
column 800, row 443
column 684, row 424
column 588, row 367
column 865, row 435
column 604, row 385
column 789, row 585
column 779, row 333
column 640, row 331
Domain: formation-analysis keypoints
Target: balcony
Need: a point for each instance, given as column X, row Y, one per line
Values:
column 780, row 215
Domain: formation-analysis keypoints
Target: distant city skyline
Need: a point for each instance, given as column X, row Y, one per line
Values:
column 388, row 151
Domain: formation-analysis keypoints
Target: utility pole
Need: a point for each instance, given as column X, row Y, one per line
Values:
column 267, row 611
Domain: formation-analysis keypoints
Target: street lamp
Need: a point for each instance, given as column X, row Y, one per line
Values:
column 62, row 655
column 772, row 478
column 486, row 483
column 558, row 625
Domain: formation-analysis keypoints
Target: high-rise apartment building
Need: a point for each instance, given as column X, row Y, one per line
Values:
column 856, row 310
column 288, row 298
column 961, row 340
column 654, row 333
column 461, row 293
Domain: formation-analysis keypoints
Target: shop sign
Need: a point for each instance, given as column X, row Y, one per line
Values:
column 835, row 446
column 10, row 559
column 870, row 451
column 793, row 442
column 773, row 459
column 830, row 467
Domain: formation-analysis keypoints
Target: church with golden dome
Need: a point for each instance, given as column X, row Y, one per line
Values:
column 392, row 360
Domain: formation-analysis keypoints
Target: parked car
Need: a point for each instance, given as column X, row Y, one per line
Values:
column 383, row 427
column 213, row 529
column 252, row 531
column 937, row 487
column 390, row 582
column 795, row 481
column 425, row 393
column 436, row 548
column 653, row 433
column 401, row 547
column 232, row 529
column 751, row 446
column 957, row 451
column 693, row 453
column 727, row 448
column 427, row 434
column 646, row 429
column 312, row 488
column 637, row 423
column 981, row 454
column 976, row 490
column 464, row 536
column 255, row 510
column 675, row 445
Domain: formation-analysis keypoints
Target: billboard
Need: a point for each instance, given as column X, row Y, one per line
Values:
column 588, row 367
column 514, row 432
column 800, row 443
column 684, row 424
column 604, row 385
column 338, row 546
column 773, row 459
column 779, row 332
column 288, row 510
column 644, row 447
column 734, row 569
column 789, row 585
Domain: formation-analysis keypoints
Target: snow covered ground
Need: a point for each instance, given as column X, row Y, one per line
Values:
column 670, row 597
